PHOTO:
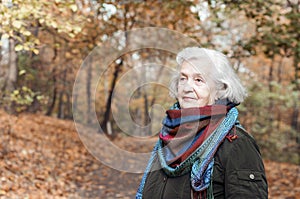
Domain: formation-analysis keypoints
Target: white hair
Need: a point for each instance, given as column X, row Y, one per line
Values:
column 227, row 84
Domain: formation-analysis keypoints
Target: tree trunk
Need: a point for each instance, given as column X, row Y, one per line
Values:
column 270, row 78
column 147, row 119
column 295, row 22
column 271, row 101
column 69, row 107
column 279, row 70
column 295, row 123
column 279, row 80
column 118, row 69
column 60, row 112
column 88, row 90
column 54, row 96
column 8, row 63
column 13, row 70
column 61, row 103
column 109, row 99
column 158, row 76
column 4, row 65
column 8, row 69
column 295, row 115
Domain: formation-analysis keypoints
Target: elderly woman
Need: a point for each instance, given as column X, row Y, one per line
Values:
column 202, row 151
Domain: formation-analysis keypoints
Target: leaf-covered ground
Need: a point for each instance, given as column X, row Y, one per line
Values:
column 43, row 157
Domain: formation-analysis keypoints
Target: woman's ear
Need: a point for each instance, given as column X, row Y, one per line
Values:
column 221, row 91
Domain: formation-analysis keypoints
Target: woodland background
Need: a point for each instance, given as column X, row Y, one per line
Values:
column 43, row 44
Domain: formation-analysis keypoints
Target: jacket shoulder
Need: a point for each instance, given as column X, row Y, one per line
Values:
column 242, row 145
column 238, row 169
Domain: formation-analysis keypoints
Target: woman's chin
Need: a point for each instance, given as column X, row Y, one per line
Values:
column 189, row 105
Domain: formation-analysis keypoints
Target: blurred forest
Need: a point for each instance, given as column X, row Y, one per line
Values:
column 43, row 44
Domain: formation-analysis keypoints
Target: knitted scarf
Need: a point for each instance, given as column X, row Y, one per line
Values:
column 188, row 141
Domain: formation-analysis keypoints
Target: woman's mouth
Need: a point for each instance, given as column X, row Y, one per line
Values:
column 188, row 98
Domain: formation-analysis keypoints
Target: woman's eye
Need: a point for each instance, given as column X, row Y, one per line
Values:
column 198, row 80
column 182, row 79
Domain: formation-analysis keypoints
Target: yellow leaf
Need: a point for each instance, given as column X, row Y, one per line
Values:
column 77, row 29
column 35, row 51
column 26, row 33
column 19, row 47
column 2, row 192
column 26, row 48
column 54, row 24
column 71, row 35
column 22, row 72
column 68, row 55
column 73, row 7
column 17, row 24
column 40, row 97
column 5, row 36
column 41, row 20
column 16, row 92
column 37, row 41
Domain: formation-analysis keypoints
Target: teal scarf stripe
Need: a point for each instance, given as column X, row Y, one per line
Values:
column 201, row 164
column 210, row 143
column 198, row 162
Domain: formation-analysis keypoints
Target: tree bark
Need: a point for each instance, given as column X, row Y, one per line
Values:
column 271, row 101
column 61, row 103
column 4, row 65
column 88, row 89
column 109, row 99
column 54, row 95
column 13, row 70
column 147, row 119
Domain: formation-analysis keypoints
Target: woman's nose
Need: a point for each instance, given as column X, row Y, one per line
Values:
column 188, row 87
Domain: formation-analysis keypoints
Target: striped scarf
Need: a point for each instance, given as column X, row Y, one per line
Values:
column 188, row 141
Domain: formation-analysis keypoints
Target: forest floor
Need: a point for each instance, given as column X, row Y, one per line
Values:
column 43, row 157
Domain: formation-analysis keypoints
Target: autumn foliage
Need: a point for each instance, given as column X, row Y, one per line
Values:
column 44, row 44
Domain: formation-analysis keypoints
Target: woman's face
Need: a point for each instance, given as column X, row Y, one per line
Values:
column 193, row 89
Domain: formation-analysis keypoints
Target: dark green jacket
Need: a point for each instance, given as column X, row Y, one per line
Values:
column 238, row 173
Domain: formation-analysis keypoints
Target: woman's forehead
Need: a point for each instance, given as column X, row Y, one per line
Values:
column 187, row 68
column 199, row 66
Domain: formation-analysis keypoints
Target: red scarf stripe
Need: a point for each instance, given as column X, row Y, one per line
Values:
column 173, row 132
column 209, row 124
column 207, row 132
column 208, row 110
